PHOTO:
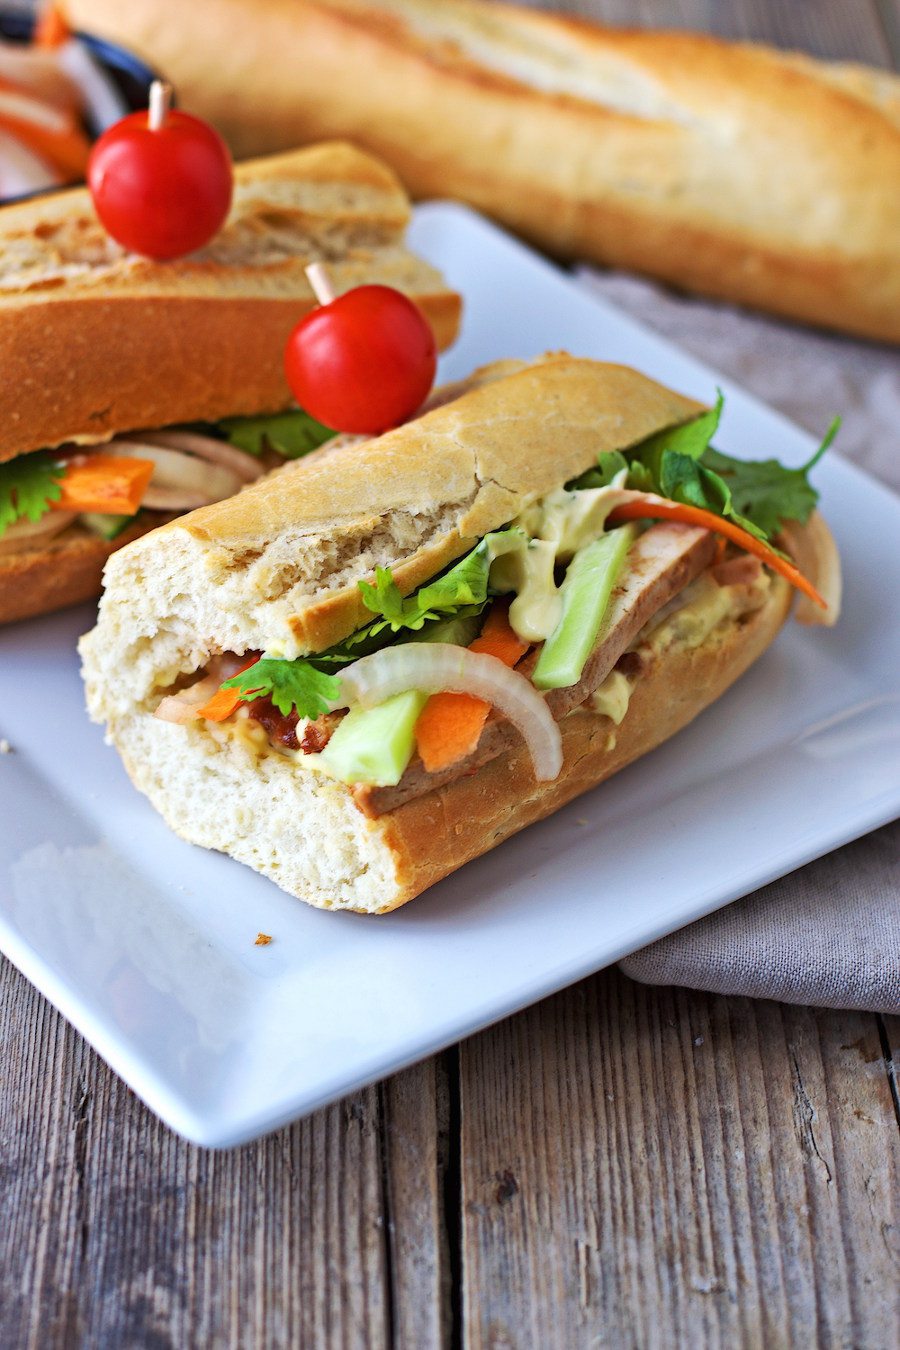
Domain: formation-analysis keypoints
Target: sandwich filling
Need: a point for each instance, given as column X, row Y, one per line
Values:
column 50, row 496
column 559, row 612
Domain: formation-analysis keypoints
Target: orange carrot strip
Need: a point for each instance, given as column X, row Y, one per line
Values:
column 224, row 701
column 450, row 725
column 653, row 508
column 65, row 148
column 106, row 484
column 51, row 29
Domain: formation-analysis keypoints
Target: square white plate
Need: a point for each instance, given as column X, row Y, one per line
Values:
column 147, row 944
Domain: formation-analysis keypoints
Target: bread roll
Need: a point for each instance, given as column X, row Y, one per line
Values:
column 276, row 569
column 763, row 177
column 94, row 341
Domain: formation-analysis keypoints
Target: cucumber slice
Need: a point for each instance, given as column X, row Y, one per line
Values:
column 108, row 527
column 585, row 594
column 374, row 745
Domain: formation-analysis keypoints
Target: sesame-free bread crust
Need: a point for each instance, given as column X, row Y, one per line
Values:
column 760, row 176
column 307, row 833
column 64, row 572
column 95, row 341
column 277, row 567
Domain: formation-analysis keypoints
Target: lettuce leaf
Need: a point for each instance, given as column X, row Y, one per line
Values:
column 691, row 438
column 289, row 684
column 28, row 486
column 464, row 586
column 291, row 434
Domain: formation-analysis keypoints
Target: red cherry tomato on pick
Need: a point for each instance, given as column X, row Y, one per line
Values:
column 364, row 363
column 161, row 192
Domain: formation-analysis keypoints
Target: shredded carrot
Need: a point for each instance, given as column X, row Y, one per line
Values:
column 105, row 483
column 450, row 725
column 658, row 508
column 65, row 148
column 224, row 701
column 51, row 29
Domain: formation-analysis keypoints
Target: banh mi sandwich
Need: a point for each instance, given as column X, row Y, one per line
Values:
column 369, row 669
column 134, row 390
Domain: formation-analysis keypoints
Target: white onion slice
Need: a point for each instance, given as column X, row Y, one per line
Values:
column 435, row 666
column 195, row 482
column 182, row 707
column 174, row 499
column 208, row 448
column 29, row 534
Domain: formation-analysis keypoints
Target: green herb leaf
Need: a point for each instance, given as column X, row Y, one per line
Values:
column 683, row 479
column 28, row 485
column 291, row 434
column 691, row 438
column 464, row 586
column 609, row 463
column 289, row 684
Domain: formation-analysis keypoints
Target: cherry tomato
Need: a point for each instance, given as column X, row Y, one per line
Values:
column 161, row 192
column 363, row 363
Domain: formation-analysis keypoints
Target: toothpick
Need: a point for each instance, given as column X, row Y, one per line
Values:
column 318, row 278
column 160, row 102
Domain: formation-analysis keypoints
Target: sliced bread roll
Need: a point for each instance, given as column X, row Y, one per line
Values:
column 94, row 340
column 277, row 569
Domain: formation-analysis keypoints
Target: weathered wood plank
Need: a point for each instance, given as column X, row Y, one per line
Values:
column 416, row 1150
column 839, row 31
column 115, row 1232
column 659, row 1167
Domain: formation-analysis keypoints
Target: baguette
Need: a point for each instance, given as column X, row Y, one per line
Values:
column 763, row 177
column 94, row 341
column 276, row 570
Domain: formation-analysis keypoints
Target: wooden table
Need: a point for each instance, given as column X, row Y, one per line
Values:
column 619, row 1166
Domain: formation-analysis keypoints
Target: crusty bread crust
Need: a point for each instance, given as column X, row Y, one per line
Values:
column 436, row 834
column 739, row 171
column 277, row 567
column 63, row 573
column 94, row 341
column 306, row 832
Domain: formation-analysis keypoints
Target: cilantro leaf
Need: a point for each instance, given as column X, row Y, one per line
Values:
column 683, row 479
column 289, row 684
column 463, row 586
column 291, row 434
column 765, row 491
column 28, row 485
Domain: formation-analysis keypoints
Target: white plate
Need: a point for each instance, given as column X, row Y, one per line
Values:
column 147, row 944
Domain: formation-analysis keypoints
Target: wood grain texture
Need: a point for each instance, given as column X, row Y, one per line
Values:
column 113, row 1232
column 656, row 1167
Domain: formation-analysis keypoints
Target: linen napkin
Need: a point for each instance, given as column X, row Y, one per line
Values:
column 828, row 934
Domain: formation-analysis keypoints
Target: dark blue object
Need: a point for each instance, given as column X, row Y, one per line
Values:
column 130, row 76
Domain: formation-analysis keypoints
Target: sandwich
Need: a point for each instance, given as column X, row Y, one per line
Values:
column 372, row 667
column 135, row 390
column 732, row 169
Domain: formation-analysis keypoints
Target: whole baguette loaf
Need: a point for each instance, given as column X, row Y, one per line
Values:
column 252, row 576
column 763, row 177
column 94, row 340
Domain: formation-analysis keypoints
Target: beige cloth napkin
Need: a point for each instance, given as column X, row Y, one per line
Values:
column 828, row 934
